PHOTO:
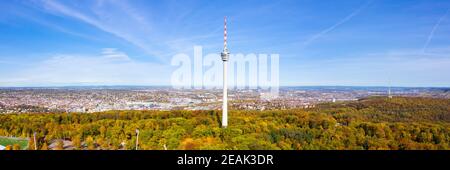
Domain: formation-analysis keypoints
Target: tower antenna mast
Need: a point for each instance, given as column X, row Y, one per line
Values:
column 225, row 55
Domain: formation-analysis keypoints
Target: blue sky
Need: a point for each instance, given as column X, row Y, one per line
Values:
column 345, row 42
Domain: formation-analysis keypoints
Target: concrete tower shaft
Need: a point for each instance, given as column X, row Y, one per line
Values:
column 225, row 55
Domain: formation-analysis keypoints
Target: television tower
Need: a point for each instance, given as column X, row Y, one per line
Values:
column 225, row 55
column 389, row 92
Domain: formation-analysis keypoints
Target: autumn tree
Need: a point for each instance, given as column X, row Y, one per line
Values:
column 16, row 147
column 44, row 146
column 76, row 141
column 90, row 143
column 30, row 145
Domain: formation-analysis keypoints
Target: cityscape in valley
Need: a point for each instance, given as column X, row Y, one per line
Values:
column 97, row 98
column 163, row 118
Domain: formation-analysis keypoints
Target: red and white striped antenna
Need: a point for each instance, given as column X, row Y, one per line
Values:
column 225, row 52
column 225, row 33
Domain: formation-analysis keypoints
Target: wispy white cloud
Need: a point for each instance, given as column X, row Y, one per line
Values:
column 340, row 22
column 132, row 30
column 112, row 53
column 430, row 36
column 137, row 27
column 107, row 68
column 401, row 67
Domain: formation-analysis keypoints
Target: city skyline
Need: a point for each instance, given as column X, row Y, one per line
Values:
column 329, row 43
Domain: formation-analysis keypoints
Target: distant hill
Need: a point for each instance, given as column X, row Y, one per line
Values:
column 397, row 109
column 370, row 123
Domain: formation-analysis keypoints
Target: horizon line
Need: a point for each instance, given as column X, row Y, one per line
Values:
column 204, row 87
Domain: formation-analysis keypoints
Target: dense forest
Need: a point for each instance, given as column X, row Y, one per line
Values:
column 373, row 123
